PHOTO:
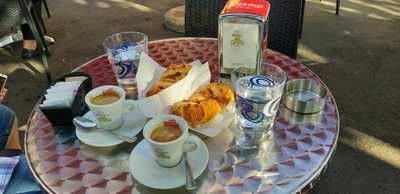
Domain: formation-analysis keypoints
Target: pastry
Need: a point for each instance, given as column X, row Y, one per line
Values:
column 217, row 91
column 204, row 104
column 171, row 75
column 196, row 112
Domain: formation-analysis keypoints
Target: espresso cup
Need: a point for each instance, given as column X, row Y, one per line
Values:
column 108, row 116
column 167, row 154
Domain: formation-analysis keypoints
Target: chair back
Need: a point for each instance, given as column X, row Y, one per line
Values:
column 284, row 26
column 201, row 17
column 10, row 14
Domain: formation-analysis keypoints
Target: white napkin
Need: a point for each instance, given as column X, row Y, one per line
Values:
column 61, row 94
column 149, row 72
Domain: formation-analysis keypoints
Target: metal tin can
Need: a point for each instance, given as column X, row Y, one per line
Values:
column 304, row 96
column 242, row 28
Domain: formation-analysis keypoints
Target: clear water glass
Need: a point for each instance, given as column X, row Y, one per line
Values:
column 123, row 51
column 240, row 72
column 257, row 102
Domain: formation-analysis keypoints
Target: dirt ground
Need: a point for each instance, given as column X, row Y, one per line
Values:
column 356, row 54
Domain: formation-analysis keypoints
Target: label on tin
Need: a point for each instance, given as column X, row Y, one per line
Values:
column 255, row 7
column 240, row 45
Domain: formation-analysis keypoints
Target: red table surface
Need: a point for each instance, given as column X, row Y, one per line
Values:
column 303, row 150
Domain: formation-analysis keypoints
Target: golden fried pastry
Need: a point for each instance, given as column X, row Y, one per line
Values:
column 204, row 104
column 196, row 112
column 158, row 86
column 175, row 72
column 171, row 75
column 217, row 91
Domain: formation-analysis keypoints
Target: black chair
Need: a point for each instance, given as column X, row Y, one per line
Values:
column 337, row 6
column 16, row 12
column 38, row 7
column 201, row 20
column 47, row 8
column 284, row 26
column 201, row 17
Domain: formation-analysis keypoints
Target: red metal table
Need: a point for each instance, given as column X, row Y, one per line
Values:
column 299, row 149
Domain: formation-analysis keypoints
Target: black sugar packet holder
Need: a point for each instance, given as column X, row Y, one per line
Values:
column 64, row 116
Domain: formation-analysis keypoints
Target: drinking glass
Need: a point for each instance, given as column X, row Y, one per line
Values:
column 237, row 73
column 123, row 51
column 257, row 102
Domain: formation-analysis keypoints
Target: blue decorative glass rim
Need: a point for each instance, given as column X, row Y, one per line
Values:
column 282, row 80
column 285, row 76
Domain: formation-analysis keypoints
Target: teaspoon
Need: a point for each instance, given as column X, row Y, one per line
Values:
column 189, row 146
column 89, row 125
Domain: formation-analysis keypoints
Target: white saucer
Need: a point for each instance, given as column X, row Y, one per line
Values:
column 133, row 124
column 145, row 169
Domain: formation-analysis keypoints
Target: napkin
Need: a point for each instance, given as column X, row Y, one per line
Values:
column 150, row 71
column 61, row 94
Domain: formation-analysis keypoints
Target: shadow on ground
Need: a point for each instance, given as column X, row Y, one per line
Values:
column 356, row 54
column 357, row 173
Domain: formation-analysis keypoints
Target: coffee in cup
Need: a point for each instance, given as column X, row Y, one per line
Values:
column 166, row 135
column 106, row 97
column 168, row 131
column 106, row 103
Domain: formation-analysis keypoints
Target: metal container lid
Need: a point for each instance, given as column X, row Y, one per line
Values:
column 304, row 96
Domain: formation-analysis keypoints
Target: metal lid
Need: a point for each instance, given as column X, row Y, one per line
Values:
column 304, row 96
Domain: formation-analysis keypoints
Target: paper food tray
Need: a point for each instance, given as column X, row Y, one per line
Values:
column 150, row 71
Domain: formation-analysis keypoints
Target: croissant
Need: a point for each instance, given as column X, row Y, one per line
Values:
column 171, row 75
column 196, row 112
column 204, row 104
column 218, row 91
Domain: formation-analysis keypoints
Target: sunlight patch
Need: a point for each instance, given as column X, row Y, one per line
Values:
column 82, row 2
column 309, row 54
column 372, row 146
column 378, row 17
column 102, row 4
column 377, row 7
column 139, row 7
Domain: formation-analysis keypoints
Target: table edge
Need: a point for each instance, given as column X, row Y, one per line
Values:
column 298, row 189
column 34, row 173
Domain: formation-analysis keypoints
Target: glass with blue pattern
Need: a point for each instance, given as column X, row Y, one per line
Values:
column 257, row 102
column 123, row 51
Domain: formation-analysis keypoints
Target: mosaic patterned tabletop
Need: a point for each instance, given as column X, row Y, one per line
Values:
column 288, row 161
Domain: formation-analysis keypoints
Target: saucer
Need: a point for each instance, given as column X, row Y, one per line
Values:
column 144, row 168
column 133, row 124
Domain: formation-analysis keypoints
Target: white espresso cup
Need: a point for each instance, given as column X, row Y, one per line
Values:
column 166, row 154
column 108, row 116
